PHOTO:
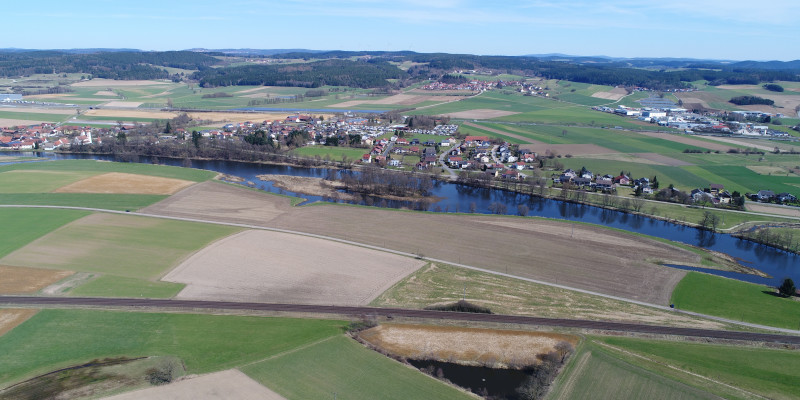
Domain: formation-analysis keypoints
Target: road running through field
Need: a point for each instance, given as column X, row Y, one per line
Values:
column 194, row 305
column 388, row 250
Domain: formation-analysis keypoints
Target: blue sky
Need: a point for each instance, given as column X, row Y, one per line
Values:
column 718, row 29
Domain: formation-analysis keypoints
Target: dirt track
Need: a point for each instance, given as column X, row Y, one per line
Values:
column 587, row 257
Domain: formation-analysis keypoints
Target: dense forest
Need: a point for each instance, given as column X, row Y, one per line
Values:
column 109, row 65
column 611, row 73
column 361, row 74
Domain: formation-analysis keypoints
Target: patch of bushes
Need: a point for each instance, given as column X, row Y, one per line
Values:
column 216, row 95
column 748, row 100
column 461, row 306
column 773, row 87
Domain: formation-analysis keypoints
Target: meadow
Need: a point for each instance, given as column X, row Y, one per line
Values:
column 21, row 226
column 54, row 339
column 770, row 373
column 343, row 368
column 593, row 373
column 736, row 300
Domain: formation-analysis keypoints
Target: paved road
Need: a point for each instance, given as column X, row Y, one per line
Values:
column 152, row 304
column 443, row 157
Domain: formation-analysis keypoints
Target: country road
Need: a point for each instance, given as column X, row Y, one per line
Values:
column 156, row 304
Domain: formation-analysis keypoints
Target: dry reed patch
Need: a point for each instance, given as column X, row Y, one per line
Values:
column 99, row 82
column 122, row 183
column 473, row 346
column 278, row 267
column 23, row 280
column 229, row 384
column 481, row 113
column 217, row 201
column 11, row 317
column 767, row 209
column 123, row 104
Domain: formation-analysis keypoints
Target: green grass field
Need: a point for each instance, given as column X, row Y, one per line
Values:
column 765, row 372
column 36, row 117
column 735, row 300
column 21, row 226
column 120, row 245
column 119, row 202
column 93, row 166
column 594, row 374
column 54, row 339
column 118, row 286
column 346, row 368
column 38, row 181
column 335, row 153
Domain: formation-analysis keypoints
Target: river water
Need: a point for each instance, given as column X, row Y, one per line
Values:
column 777, row 263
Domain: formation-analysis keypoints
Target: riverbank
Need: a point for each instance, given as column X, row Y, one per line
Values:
column 330, row 189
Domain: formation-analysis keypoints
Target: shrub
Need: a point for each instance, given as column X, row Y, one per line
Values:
column 461, row 306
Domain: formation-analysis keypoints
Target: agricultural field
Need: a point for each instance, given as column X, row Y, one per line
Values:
column 275, row 267
column 344, row 367
column 736, row 300
column 117, row 245
column 54, row 339
column 86, row 183
column 228, row 384
column 737, row 372
column 23, row 225
column 593, row 373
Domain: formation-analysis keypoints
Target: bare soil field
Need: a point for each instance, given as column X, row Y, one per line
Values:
column 6, row 122
column 687, row 140
column 743, row 142
column 481, row 113
column 229, row 384
column 23, row 280
column 223, row 202
column 614, row 269
column 613, row 94
column 278, row 267
column 40, row 110
column 122, row 183
column 106, row 93
column 662, row 159
column 573, row 149
column 11, row 317
column 123, row 104
column 768, row 209
column 470, row 346
column 99, row 82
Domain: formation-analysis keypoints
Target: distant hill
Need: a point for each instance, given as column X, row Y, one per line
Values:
column 256, row 52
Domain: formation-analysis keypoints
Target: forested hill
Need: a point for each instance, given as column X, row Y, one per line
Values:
column 362, row 74
column 610, row 72
column 123, row 65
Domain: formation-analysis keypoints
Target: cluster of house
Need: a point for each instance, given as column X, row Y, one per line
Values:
column 690, row 122
column 585, row 179
column 473, row 86
column 768, row 196
column 47, row 137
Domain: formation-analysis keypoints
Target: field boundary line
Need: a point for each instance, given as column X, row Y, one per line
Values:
column 606, row 345
column 286, row 352
column 436, row 260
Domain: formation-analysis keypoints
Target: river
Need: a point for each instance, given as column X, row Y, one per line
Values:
column 455, row 197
